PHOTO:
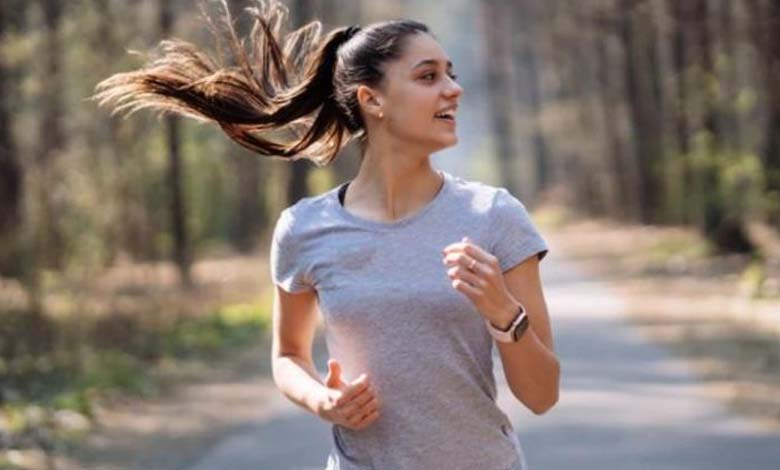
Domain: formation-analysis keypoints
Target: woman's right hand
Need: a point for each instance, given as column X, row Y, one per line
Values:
column 353, row 405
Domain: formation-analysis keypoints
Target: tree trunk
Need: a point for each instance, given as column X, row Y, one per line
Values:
column 623, row 202
column 637, row 33
column 500, row 89
column 179, row 230
column 529, row 85
column 708, row 184
column 51, row 142
column 247, row 165
column 105, row 132
column 772, row 152
column 679, row 59
column 11, row 181
column 729, row 122
column 301, row 12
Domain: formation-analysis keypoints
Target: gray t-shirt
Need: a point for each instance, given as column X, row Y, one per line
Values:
column 391, row 312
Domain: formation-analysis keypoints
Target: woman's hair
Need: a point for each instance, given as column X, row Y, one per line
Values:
column 296, row 84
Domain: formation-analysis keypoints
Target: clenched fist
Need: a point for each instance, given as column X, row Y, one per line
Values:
column 353, row 405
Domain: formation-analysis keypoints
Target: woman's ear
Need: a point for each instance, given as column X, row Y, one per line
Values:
column 369, row 100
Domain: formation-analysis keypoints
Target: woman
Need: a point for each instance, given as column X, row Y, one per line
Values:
column 416, row 271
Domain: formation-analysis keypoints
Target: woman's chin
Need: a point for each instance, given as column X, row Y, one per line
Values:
column 440, row 141
column 449, row 141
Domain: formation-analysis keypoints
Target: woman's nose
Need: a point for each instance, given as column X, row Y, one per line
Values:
column 454, row 89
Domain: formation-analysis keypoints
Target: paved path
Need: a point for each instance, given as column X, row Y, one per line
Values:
column 625, row 404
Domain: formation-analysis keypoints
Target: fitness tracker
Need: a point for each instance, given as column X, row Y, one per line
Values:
column 514, row 331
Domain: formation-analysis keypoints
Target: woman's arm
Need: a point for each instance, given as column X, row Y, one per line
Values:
column 294, row 325
column 531, row 368
column 353, row 404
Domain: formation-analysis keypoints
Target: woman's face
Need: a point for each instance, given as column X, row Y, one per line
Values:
column 418, row 87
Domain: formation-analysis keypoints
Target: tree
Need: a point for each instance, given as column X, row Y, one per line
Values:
column 297, row 187
column 526, row 56
column 11, row 182
column 637, row 32
column 501, row 83
column 766, row 17
column 182, row 256
column 51, row 141
column 624, row 203
column 247, row 167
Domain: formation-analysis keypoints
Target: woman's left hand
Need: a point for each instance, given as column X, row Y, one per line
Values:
column 477, row 274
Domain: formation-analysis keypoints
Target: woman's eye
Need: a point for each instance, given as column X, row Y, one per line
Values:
column 452, row 75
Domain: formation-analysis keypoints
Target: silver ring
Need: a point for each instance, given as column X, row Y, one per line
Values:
column 473, row 263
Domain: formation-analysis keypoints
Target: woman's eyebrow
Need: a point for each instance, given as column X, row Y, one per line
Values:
column 431, row 62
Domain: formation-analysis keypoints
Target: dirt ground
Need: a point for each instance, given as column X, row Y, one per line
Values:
column 172, row 431
column 200, row 401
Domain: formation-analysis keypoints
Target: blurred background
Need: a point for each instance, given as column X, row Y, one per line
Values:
column 645, row 136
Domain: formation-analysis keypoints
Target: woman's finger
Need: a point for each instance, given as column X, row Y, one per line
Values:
column 358, row 403
column 367, row 419
column 467, row 289
column 370, row 405
column 467, row 261
column 476, row 251
column 360, row 414
column 352, row 391
column 468, row 276
column 470, row 249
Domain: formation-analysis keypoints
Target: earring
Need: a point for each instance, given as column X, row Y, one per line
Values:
column 380, row 114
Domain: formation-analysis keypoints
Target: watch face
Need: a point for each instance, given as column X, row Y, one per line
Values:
column 520, row 329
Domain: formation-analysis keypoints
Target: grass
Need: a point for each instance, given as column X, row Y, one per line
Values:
column 48, row 396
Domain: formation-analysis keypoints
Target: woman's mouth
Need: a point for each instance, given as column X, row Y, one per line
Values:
column 448, row 117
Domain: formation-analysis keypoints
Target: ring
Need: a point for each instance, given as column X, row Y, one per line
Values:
column 473, row 263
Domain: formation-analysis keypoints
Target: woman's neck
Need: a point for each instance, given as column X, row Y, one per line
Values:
column 389, row 190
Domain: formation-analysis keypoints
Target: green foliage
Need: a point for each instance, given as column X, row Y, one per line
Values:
column 753, row 279
column 118, row 359
column 745, row 101
column 710, row 183
column 76, row 399
column 210, row 182
column 6, row 465
column 742, row 179
column 553, row 216
column 55, row 391
column 114, row 370
column 320, row 180
column 680, row 246
column 224, row 329
column 772, row 202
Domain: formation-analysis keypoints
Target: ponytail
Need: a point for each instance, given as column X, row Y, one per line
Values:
column 287, row 85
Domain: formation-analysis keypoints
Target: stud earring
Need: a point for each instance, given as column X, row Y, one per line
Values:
column 380, row 114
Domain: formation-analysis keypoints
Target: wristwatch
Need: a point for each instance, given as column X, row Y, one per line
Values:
column 515, row 329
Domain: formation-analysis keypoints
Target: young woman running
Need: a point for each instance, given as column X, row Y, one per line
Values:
column 416, row 271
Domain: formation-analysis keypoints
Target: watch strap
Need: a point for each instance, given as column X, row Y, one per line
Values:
column 516, row 328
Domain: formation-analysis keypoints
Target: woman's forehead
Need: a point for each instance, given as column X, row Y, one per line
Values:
column 422, row 49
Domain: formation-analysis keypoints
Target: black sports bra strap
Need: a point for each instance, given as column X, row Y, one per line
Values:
column 342, row 193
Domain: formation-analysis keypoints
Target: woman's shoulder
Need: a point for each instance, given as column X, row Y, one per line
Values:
column 479, row 195
column 300, row 217
column 308, row 206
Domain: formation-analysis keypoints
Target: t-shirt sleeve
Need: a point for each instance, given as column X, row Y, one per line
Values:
column 514, row 235
column 287, row 264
